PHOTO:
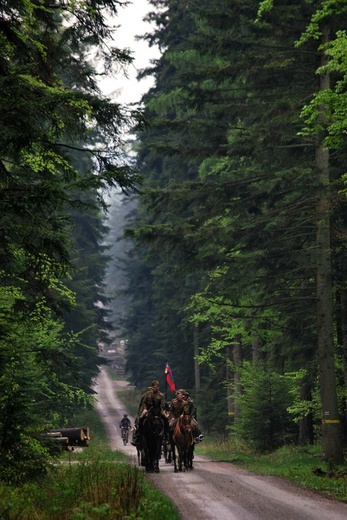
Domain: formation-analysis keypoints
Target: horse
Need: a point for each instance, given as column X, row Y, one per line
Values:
column 167, row 452
column 152, row 437
column 166, row 446
column 141, row 454
column 183, row 440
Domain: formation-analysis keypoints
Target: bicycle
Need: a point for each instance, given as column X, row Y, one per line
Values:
column 125, row 435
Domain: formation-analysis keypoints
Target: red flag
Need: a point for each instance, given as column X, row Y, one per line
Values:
column 169, row 377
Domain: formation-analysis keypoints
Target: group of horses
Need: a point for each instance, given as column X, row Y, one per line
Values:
column 179, row 449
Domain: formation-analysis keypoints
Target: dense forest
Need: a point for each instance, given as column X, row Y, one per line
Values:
column 61, row 152
column 232, row 266
column 237, row 274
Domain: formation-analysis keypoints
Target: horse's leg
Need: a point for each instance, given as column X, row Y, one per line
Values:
column 169, row 448
column 169, row 454
column 158, row 454
column 184, row 459
column 146, row 455
column 153, row 455
column 179, row 456
column 149, row 462
column 182, row 468
column 187, row 446
column 190, row 456
column 174, row 458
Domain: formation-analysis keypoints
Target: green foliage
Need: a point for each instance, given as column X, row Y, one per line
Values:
column 321, row 16
column 264, row 7
column 301, row 408
column 264, row 421
column 95, row 489
column 333, row 99
column 37, row 386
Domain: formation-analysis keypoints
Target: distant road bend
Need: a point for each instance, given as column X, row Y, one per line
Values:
column 218, row 490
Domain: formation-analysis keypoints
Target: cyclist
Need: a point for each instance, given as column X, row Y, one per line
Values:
column 125, row 426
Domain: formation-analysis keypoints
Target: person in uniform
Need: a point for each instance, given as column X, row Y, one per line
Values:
column 146, row 402
column 177, row 408
column 191, row 409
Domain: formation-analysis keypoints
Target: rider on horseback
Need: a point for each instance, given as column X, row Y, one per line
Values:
column 151, row 397
column 184, row 405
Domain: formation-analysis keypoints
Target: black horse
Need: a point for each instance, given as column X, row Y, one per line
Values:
column 152, row 437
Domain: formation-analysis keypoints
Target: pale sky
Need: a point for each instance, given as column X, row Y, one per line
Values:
column 131, row 24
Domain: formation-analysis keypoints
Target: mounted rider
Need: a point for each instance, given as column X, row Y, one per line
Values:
column 151, row 397
column 181, row 405
column 177, row 408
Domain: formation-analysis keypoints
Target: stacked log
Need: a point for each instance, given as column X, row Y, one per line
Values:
column 70, row 437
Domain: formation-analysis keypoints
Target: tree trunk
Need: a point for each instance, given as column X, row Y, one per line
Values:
column 237, row 358
column 306, row 423
column 75, row 436
column 233, row 378
column 196, row 354
column 331, row 431
column 230, row 401
column 256, row 345
column 343, row 305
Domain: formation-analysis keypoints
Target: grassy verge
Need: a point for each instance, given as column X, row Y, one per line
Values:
column 94, row 489
column 301, row 465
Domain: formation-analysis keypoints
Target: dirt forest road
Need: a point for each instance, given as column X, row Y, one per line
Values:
column 218, row 490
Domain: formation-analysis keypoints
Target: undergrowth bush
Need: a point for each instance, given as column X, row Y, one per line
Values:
column 98, row 489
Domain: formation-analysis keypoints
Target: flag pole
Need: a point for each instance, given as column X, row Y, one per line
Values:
column 165, row 387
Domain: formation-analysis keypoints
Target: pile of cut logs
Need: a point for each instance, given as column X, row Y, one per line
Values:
column 69, row 438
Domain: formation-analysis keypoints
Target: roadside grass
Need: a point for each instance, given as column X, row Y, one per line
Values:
column 131, row 400
column 93, row 483
column 91, row 490
column 301, row 465
column 129, row 397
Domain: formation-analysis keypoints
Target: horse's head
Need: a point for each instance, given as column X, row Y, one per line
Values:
column 187, row 418
column 186, row 422
column 183, row 432
column 154, row 418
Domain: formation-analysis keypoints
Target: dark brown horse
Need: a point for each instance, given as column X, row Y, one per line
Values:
column 152, row 436
column 183, row 441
